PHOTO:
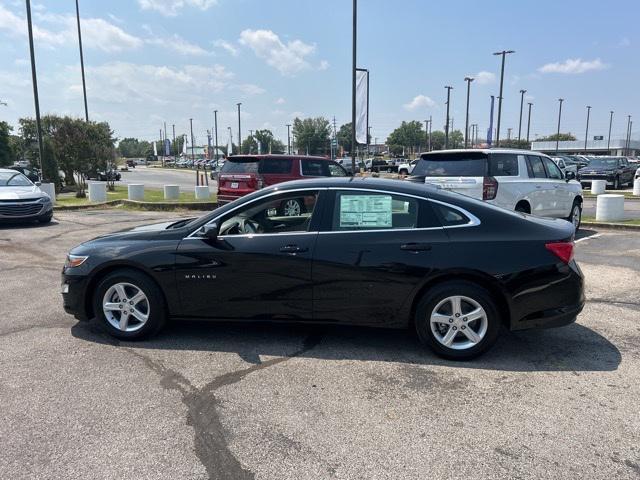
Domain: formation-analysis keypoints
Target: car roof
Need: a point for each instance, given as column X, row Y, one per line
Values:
column 486, row 151
column 263, row 156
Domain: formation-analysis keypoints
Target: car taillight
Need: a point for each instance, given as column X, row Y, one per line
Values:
column 562, row 250
column 489, row 188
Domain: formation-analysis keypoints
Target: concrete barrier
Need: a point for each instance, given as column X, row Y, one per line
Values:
column 598, row 186
column 172, row 192
column 203, row 192
column 98, row 192
column 636, row 187
column 135, row 191
column 49, row 189
column 609, row 208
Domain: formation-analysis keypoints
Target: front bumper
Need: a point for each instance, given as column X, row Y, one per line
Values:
column 74, row 289
column 588, row 178
column 24, row 210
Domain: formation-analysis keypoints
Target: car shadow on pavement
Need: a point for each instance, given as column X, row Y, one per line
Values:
column 582, row 233
column 570, row 348
column 13, row 225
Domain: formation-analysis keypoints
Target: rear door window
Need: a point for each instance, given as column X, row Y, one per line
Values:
column 535, row 167
column 450, row 217
column 275, row 165
column 467, row 164
column 503, row 165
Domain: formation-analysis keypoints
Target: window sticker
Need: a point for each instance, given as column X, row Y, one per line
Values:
column 365, row 211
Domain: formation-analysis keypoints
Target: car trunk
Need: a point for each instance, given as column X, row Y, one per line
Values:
column 239, row 176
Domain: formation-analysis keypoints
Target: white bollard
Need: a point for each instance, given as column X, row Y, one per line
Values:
column 135, row 191
column 172, row 192
column 49, row 189
column 202, row 192
column 98, row 192
column 598, row 186
column 636, row 187
column 609, row 207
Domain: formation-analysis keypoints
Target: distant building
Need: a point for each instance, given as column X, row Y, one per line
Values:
column 594, row 147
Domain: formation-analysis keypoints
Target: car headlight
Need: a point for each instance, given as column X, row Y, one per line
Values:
column 73, row 261
column 45, row 199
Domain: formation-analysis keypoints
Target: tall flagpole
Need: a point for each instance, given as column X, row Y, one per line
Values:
column 353, row 88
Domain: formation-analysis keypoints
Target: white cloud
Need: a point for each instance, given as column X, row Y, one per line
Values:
column 485, row 78
column 624, row 42
column 324, row 64
column 100, row 34
column 249, row 89
column 178, row 44
column 170, row 8
column 280, row 101
column 230, row 49
column 288, row 59
column 573, row 66
column 419, row 101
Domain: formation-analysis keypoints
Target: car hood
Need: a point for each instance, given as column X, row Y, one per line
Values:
column 597, row 169
column 20, row 193
column 152, row 231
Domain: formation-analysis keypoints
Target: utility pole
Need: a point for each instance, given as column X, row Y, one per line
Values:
column 192, row 151
column 288, row 138
column 509, row 133
column 84, row 86
column 34, row 78
column 239, row 131
column 164, row 142
column 251, row 143
column 215, row 126
column 586, row 134
column 430, row 126
column 503, row 53
column 353, row 85
column 609, row 137
column 466, row 123
column 426, row 134
column 529, row 121
column 522, row 92
column 446, row 127
column 559, row 118
column 175, row 145
column 628, row 136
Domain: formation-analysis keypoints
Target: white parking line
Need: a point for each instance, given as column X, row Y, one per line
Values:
column 591, row 237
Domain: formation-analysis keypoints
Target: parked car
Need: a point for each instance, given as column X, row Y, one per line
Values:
column 110, row 174
column 367, row 251
column 566, row 164
column 406, row 167
column 32, row 174
column 130, row 163
column 637, row 174
column 379, row 165
column 616, row 171
column 21, row 199
column 347, row 164
column 519, row 180
column 244, row 174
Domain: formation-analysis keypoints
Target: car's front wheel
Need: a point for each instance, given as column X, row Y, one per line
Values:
column 575, row 216
column 129, row 305
column 458, row 320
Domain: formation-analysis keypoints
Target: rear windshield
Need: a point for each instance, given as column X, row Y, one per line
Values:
column 467, row 164
column 240, row 165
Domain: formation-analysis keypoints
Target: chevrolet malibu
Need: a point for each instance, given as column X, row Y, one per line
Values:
column 21, row 199
column 369, row 252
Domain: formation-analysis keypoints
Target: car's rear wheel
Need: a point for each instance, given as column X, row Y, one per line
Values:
column 292, row 208
column 458, row 320
column 523, row 207
column 129, row 305
column 576, row 214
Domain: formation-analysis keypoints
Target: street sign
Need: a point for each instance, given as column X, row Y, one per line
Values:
column 598, row 137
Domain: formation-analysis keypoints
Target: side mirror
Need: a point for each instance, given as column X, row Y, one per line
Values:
column 210, row 231
column 38, row 184
column 570, row 176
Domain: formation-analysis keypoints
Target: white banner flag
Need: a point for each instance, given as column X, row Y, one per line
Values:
column 230, row 145
column 362, row 110
column 184, row 144
column 155, row 149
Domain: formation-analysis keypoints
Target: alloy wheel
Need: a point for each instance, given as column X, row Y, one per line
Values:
column 575, row 216
column 459, row 322
column 291, row 208
column 126, row 307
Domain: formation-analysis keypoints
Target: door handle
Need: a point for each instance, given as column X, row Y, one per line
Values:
column 292, row 249
column 415, row 247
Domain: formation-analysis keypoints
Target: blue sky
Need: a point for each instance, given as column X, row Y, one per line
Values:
column 150, row 61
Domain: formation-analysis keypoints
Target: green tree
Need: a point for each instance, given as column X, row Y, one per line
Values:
column 562, row 137
column 409, row 135
column 344, row 136
column 50, row 164
column 7, row 154
column 515, row 143
column 312, row 135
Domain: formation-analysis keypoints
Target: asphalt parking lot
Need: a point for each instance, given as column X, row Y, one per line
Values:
column 276, row 402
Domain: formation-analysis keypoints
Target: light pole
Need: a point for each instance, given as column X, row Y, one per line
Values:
column 609, row 137
column 426, row 133
column 446, row 127
column 503, row 53
column 529, row 121
column 239, row 131
column 586, row 133
column 84, row 86
column 353, row 84
column 430, row 128
column 466, row 123
column 175, row 146
column 522, row 92
column 628, row 136
column 35, row 83
column 289, row 138
column 559, row 117
column 192, row 152
column 215, row 127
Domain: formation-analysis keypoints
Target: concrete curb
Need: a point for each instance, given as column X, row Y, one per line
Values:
column 626, row 198
column 612, row 226
column 152, row 206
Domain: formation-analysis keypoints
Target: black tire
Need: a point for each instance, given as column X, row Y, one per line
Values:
column 576, row 205
column 403, row 172
column 523, row 207
column 439, row 293
column 156, row 305
column 46, row 218
column 283, row 207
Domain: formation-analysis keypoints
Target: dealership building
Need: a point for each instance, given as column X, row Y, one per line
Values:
column 594, row 147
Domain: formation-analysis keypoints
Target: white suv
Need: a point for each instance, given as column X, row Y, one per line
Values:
column 520, row 180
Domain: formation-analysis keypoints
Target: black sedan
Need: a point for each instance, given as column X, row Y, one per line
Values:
column 362, row 251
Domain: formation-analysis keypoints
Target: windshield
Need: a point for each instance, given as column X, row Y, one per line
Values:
column 604, row 163
column 14, row 179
